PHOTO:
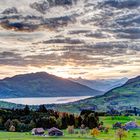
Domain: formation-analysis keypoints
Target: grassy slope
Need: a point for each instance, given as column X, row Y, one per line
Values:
column 121, row 97
column 10, row 105
column 111, row 135
column 23, row 136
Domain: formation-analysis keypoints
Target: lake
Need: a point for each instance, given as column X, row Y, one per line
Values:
column 45, row 100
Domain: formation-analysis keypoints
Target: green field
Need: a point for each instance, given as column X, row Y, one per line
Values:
column 108, row 121
column 28, row 136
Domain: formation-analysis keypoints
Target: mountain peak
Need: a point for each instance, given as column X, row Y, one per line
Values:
column 42, row 84
column 29, row 76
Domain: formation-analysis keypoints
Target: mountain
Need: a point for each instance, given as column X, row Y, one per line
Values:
column 125, row 97
column 103, row 85
column 42, row 84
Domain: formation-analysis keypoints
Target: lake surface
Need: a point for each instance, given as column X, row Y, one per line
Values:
column 44, row 100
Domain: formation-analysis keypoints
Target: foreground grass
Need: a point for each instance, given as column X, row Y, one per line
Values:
column 108, row 121
column 28, row 136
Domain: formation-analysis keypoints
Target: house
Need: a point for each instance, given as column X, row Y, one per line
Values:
column 55, row 132
column 131, row 125
column 38, row 131
column 117, row 125
column 12, row 128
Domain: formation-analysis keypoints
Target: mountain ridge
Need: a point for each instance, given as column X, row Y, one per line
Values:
column 120, row 98
column 42, row 84
column 102, row 84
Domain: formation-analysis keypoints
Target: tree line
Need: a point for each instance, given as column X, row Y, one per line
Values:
column 24, row 120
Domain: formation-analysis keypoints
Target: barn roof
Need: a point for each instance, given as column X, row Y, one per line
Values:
column 38, row 130
column 54, row 129
column 131, row 125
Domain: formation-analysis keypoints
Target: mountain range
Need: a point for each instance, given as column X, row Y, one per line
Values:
column 42, row 84
column 103, row 85
column 125, row 97
column 86, row 33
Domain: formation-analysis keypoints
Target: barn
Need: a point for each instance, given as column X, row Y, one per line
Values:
column 131, row 125
column 38, row 131
column 55, row 132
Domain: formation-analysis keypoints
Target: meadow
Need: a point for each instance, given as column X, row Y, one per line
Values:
column 108, row 121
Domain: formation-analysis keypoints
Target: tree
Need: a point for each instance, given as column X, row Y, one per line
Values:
column 106, row 130
column 71, row 120
column 86, row 112
column 82, row 126
column 26, row 110
column 42, row 108
column 1, row 123
column 70, row 129
column 15, row 123
column 92, row 121
column 8, row 124
column 121, row 134
column 82, row 129
column 135, row 111
column 64, row 122
column 52, row 121
column 23, row 127
column 87, row 130
column 95, row 132
column 59, row 123
column 78, row 121
column 32, row 124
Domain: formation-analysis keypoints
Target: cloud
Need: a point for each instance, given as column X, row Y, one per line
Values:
column 124, row 71
column 10, row 58
column 64, row 41
column 92, row 35
column 11, row 10
column 122, row 3
column 78, row 32
column 97, row 34
column 44, row 5
column 32, row 23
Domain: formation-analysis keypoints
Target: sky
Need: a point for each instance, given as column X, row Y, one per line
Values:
column 92, row 39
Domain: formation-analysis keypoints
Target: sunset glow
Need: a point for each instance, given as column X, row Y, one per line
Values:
column 77, row 46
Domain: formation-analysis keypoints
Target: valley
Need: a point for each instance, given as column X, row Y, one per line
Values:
column 69, row 69
column 121, row 98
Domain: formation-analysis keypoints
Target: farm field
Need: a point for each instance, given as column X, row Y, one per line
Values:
column 108, row 121
column 28, row 136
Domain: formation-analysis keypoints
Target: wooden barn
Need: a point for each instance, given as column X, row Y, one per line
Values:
column 55, row 132
column 38, row 131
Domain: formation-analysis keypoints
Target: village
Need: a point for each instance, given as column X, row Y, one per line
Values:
column 117, row 131
column 121, row 130
column 58, row 125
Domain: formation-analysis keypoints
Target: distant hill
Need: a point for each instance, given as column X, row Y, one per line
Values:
column 42, row 84
column 124, row 97
column 103, row 85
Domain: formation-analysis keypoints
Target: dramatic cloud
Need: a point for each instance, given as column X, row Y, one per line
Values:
column 91, row 39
